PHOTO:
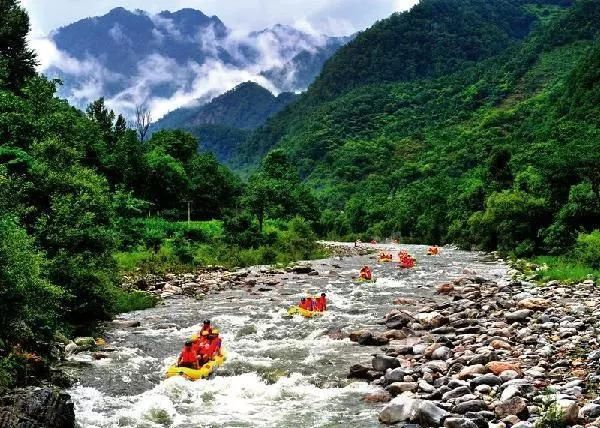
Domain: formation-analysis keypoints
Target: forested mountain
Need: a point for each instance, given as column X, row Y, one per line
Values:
column 481, row 130
column 173, row 58
column 223, row 124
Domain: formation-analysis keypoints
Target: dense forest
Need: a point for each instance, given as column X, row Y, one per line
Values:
column 76, row 188
column 224, row 123
column 492, row 143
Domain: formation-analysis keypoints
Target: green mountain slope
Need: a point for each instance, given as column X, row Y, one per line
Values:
column 223, row 124
column 503, row 153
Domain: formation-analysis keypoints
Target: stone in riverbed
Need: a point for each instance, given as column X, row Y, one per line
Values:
column 518, row 316
column 405, row 408
column 400, row 409
column 470, row 406
column 500, row 344
column 369, row 339
column 378, row 397
column 487, row 379
column 397, row 388
column 382, row 362
column 535, row 303
column 513, row 406
column 459, row 423
column 398, row 320
column 85, row 342
column 507, row 375
column 431, row 320
column 498, row 367
column 445, row 288
column 442, row 353
column 359, row 371
column 455, row 393
column 471, row 371
column 395, row 375
column 590, row 411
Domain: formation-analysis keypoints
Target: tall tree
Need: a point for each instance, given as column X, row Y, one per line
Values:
column 17, row 60
column 143, row 119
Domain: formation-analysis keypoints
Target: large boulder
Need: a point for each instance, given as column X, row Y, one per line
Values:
column 405, row 408
column 36, row 408
column 382, row 362
column 401, row 409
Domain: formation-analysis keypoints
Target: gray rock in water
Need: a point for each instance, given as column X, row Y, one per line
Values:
column 398, row 321
column 400, row 409
column 36, row 408
column 85, row 341
column 459, row 423
column 382, row 362
column 395, row 375
column 397, row 388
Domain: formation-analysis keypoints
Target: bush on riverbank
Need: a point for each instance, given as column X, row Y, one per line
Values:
column 221, row 244
column 129, row 301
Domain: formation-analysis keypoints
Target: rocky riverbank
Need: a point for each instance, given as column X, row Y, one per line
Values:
column 36, row 408
column 483, row 354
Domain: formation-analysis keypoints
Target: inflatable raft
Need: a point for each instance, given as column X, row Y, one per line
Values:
column 361, row 280
column 297, row 310
column 202, row 373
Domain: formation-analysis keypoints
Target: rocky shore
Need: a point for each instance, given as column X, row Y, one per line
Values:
column 36, row 408
column 482, row 354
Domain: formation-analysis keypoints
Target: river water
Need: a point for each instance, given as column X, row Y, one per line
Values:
column 281, row 372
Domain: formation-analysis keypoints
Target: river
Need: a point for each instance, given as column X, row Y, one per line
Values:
column 281, row 372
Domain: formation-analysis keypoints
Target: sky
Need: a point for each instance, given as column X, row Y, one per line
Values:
column 332, row 17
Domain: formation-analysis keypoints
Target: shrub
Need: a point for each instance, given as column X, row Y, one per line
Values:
column 587, row 249
column 129, row 301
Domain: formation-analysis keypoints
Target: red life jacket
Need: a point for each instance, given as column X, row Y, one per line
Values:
column 310, row 305
column 188, row 356
column 323, row 303
column 318, row 305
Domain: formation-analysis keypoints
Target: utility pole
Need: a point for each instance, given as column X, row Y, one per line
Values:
column 189, row 206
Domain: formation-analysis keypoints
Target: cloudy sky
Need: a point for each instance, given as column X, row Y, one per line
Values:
column 333, row 17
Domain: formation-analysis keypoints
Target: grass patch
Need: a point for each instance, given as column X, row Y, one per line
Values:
column 564, row 270
column 129, row 301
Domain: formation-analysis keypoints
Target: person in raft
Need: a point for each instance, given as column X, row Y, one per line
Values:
column 188, row 357
column 205, row 327
column 321, row 305
column 365, row 273
column 214, row 344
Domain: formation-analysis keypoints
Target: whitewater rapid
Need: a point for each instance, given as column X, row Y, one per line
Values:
column 281, row 372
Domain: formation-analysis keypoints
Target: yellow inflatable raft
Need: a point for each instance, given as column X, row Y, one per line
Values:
column 297, row 310
column 202, row 373
column 361, row 280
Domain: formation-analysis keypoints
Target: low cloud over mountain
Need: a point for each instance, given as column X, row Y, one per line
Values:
column 170, row 60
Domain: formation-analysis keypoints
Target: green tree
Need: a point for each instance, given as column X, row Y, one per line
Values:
column 17, row 60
